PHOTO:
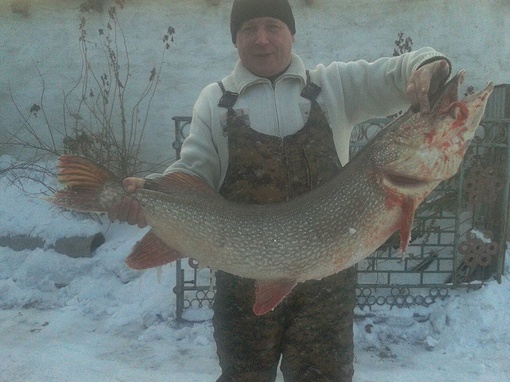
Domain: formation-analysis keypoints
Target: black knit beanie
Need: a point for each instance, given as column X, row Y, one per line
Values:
column 244, row 10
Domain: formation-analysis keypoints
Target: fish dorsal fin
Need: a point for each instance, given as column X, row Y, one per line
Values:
column 406, row 224
column 151, row 252
column 269, row 293
column 177, row 181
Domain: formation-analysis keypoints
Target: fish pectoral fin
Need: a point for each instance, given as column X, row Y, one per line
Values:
column 151, row 252
column 269, row 293
column 177, row 181
column 406, row 224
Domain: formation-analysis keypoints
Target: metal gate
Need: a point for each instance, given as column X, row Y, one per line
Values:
column 458, row 237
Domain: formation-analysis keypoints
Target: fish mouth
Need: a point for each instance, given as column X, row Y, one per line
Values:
column 448, row 92
column 434, row 154
column 481, row 95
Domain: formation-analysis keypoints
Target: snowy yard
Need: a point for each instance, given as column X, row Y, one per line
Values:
column 93, row 319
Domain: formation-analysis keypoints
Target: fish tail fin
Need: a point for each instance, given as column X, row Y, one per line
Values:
column 84, row 181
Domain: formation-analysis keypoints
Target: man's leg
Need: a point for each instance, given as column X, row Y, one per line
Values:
column 248, row 346
column 318, row 344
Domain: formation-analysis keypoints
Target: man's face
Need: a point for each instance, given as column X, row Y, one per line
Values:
column 264, row 45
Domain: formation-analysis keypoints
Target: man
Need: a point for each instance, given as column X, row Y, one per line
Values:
column 271, row 131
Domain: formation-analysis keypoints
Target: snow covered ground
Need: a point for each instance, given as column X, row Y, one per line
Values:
column 93, row 319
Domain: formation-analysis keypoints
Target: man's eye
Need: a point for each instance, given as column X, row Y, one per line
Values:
column 273, row 27
column 248, row 29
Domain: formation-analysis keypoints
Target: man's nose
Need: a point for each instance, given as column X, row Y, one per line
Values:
column 261, row 37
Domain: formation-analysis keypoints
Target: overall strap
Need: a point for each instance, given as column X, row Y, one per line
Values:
column 228, row 99
column 311, row 90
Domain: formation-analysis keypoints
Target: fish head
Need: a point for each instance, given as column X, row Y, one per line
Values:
column 419, row 150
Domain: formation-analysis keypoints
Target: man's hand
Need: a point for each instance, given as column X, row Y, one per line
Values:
column 425, row 82
column 128, row 210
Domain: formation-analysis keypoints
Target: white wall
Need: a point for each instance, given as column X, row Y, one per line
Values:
column 473, row 33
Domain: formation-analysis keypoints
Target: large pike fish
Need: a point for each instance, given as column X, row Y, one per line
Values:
column 316, row 235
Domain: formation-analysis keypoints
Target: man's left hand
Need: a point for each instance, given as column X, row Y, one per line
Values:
column 425, row 82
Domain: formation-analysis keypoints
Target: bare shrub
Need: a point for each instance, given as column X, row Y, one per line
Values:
column 103, row 118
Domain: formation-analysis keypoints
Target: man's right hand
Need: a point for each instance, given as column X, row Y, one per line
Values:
column 128, row 209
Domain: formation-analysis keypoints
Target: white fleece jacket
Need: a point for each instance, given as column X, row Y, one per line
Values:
column 351, row 93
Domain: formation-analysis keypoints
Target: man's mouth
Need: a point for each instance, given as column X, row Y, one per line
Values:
column 263, row 54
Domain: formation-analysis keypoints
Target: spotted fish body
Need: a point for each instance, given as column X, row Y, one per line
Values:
column 313, row 236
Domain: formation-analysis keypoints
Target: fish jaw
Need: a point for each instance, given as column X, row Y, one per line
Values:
column 419, row 150
column 428, row 148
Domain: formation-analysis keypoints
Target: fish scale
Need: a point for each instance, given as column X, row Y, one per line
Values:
column 310, row 237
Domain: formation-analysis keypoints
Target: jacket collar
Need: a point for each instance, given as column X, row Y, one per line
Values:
column 242, row 78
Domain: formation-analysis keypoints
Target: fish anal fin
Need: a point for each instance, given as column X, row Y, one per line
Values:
column 269, row 293
column 177, row 181
column 406, row 224
column 151, row 252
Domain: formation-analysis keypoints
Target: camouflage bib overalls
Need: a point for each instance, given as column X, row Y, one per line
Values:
column 312, row 327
